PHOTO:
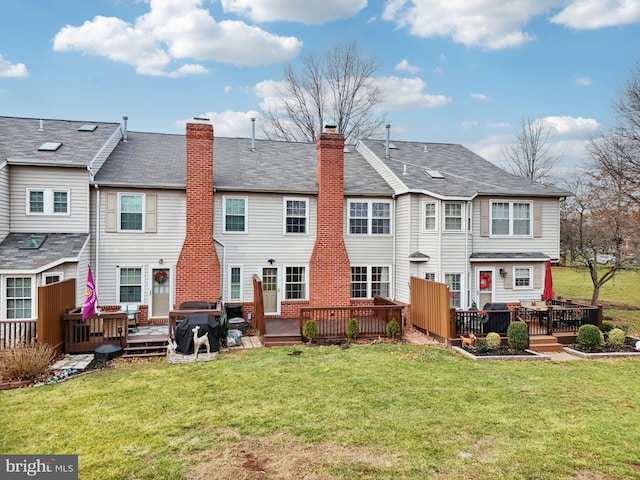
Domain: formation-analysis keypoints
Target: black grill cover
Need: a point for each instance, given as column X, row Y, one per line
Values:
column 184, row 334
column 499, row 321
column 233, row 311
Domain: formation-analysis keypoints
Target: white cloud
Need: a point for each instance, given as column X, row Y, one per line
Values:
column 438, row 70
column 8, row 69
column 310, row 13
column 173, row 30
column 582, row 81
column 574, row 127
column 490, row 24
column 405, row 66
column 405, row 93
column 591, row 14
column 469, row 124
column 228, row 88
column 498, row 125
column 479, row 96
column 228, row 123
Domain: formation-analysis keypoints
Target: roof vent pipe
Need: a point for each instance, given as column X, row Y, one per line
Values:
column 253, row 134
column 124, row 129
column 41, row 129
column 386, row 153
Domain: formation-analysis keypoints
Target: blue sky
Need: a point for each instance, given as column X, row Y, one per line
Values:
column 465, row 71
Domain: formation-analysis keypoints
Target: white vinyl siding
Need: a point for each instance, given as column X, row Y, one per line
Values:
column 4, row 200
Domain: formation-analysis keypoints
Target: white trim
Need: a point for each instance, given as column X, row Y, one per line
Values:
column 48, row 201
column 224, row 214
column 369, row 281
column 306, row 216
column 306, row 283
column 369, row 218
column 142, row 284
column 462, row 287
column 513, row 275
column 462, row 217
column 229, row 283
column 142, row 212
column 33, row 297
column 510, row 203
column 424, row 216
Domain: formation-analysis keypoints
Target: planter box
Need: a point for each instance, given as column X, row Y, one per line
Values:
column 597, row 355
column 531, row 355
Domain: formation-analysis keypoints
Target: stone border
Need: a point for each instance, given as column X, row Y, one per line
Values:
column 492, row 358
column 597, row 355
column 179, row 358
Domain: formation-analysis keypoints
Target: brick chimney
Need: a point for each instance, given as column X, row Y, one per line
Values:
column 198, row 269
column 330, row 272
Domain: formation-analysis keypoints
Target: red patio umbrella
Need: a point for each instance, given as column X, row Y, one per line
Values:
column 547, row 292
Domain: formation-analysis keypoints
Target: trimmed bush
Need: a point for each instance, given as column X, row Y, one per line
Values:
column 393, row 329
column 607, row 326
column 352, row 329
column 589, row 337
column 481, row 345
column 493, row 340
column 25, row 363
column 517, row 336
column 616, row 337
column 310, row 330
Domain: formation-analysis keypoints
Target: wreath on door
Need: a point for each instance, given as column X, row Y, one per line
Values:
column 485, row 281
column 161, row 277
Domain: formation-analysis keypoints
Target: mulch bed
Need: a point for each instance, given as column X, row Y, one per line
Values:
column 502, row 351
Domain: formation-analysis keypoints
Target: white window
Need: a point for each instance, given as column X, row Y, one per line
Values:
column 295, row 287
column 430, row 217
column 47, row 201
column 130, row 285
column 235, row 214
column 454, row 281
column 358, row 282
column 453, row 217
column 296, row 213
column 380, row 281
column 130, row 212
column 19, row 299
column 369, row 218
column 511, row 218
column 235, row 283
column 369, row 281
column 522, row 278
column 430, row 276
column 53, row 277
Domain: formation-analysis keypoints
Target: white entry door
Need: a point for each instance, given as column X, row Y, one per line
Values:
column 160, row 292
column 484, row 286
column 270, row 289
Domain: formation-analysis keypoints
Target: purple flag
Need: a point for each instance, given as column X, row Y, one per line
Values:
column 90, row 298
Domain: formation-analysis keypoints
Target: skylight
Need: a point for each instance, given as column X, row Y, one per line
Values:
column 88, row 127
column 50, row 146
column 434, row 174
column 34, row 242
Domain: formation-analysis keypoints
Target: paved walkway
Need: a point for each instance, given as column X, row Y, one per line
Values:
column 78, row 362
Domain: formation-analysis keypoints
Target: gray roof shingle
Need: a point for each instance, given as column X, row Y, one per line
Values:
column 56, row 246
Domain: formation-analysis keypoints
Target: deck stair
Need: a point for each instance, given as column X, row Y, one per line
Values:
column 282, row 333
column 280, row 340
column 145, row 346
column 544, row 343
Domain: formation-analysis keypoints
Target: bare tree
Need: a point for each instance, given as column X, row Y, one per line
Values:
column 336, row 87
column 530, row 155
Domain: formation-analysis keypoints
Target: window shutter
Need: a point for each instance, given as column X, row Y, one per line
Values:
column 509, row 281
column 151, row 213
column 112, row 213
column 538, row 274
column 537, row 219
column 484, row 218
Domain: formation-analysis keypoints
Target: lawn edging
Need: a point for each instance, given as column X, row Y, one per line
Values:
column 492, row 358
column 596, row 355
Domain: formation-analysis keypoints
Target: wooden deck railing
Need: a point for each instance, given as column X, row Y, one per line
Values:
column 85, row 336
column 332, row 321
column 17, row 333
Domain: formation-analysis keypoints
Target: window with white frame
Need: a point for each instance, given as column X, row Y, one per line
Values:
column 52, row 278
column 430, row 217
column 453, row 217
column 235, row 283
column 369, row 281
column 369, row 218
column 47, row 201
column 358, row 282
column 130, row 212
column 511, row 218
column 430, row 276
column 295, row 286
column 18, row 296
column 454, row 281
column 130, row 285
column 235, row 214
column 380, row 281
column 522, row 277
column 296, row 211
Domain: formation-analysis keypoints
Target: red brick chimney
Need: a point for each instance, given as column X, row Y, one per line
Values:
column 198, row 269
column 330, row 272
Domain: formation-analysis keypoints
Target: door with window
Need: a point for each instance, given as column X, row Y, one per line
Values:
column 160, row 288
column 270, row 289
column 484, row 283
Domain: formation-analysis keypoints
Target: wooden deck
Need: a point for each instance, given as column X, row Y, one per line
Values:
column 280, row 332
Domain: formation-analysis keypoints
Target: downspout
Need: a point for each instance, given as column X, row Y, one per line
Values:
column 466, row 251
column 393, row 255
column 224, row 269
column 96, row 267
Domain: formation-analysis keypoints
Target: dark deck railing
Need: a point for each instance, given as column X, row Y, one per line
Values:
column 17, row 333
column 372, row 320
column 85, row 336
column 176, row 316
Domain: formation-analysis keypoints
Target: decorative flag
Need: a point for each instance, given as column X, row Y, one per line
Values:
column 90, row 298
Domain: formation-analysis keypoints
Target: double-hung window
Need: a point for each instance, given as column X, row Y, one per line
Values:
column 522, row 277
column 380, row 281
column 454, row 281
column 358, row 282
column 130, row 285
column 47, row 202
column 295, row 283
column 130, row 212
column 369, row 281
column 430, row 217
column 235, row 283
column 453, row 217
column 511, row 218
column 18, row 297
column 235, row 214
column 369, row 218
column 296, row 214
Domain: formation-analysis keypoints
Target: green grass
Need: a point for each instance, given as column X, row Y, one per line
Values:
column 622, row 290
column 423, row 412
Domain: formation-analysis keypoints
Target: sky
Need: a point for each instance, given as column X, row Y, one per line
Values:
column 450, row 71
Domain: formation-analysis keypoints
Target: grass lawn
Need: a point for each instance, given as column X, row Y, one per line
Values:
column 622, row 290
column 366, row 412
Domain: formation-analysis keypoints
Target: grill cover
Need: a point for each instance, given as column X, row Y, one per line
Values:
column 184, row 334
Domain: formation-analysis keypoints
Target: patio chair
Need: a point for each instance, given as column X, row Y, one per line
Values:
column 132, row 316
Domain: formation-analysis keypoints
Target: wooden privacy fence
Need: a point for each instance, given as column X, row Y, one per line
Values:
column 430, row 307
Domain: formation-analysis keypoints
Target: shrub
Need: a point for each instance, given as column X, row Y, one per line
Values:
column 493, row 340
column 589, row 337
column 517, row 336
column 616, row 337
column 352, row 329
column 25, row 363
column 481, row 345
column 310, row 330
column 607, row 326
column 393, row 329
